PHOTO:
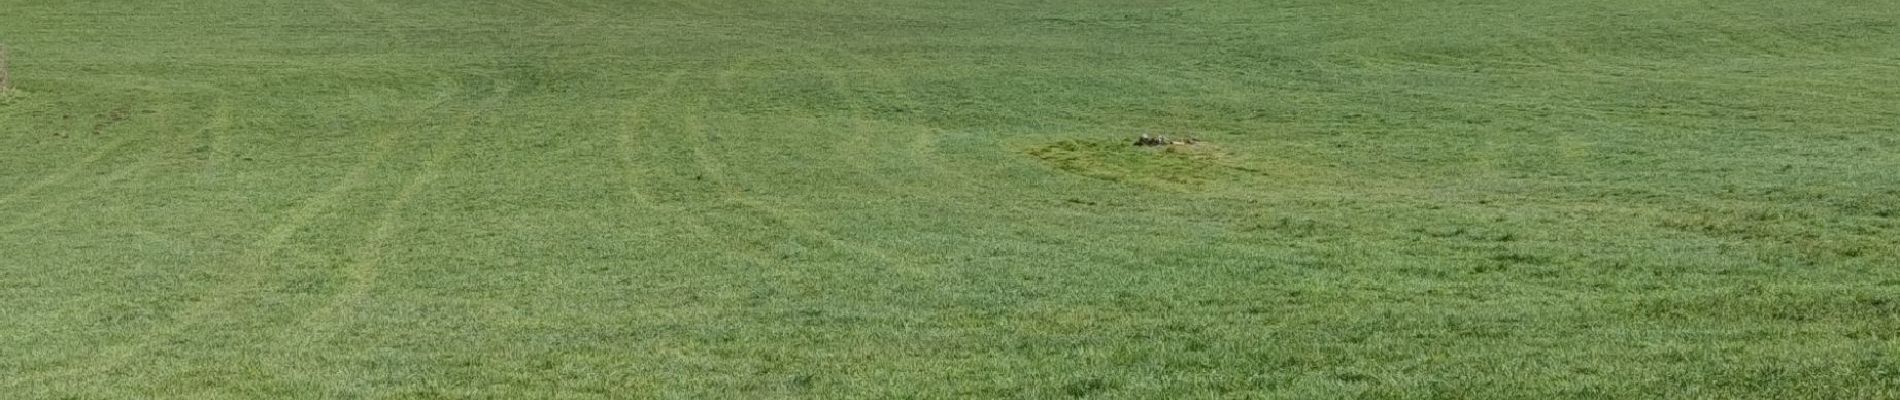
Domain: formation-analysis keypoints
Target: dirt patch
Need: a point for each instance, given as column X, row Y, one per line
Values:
column 1167, row 164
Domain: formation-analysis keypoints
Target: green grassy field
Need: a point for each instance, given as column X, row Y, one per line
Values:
column 928, row 199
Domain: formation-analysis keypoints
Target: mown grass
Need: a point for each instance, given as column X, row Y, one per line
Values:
column 842, row 199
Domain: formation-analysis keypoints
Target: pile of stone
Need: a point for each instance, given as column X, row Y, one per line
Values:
column 1147, row 140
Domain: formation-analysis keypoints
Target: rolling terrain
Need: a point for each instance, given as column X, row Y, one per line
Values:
column 921, row 199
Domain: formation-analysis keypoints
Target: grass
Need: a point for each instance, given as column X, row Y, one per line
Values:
column 912, row 199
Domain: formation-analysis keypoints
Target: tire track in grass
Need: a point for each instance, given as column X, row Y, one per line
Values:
column 627, row 143
column 713, row 166
column 712, row 162
column 216, row 141
column 625, row 138
column 251, row 267
column 921, row 149
column 36, row 219
column 859, row 130
column 858, row 136
column 138, row 165
column 861, row 116
column 864, row 126
column 66, row 174
column 921, row 144
column 696, row 222
column 865, row 123
column 362, row 274
column 703, row 138
column 126, row 172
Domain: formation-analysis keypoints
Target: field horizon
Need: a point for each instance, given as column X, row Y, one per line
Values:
column 908, row 199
